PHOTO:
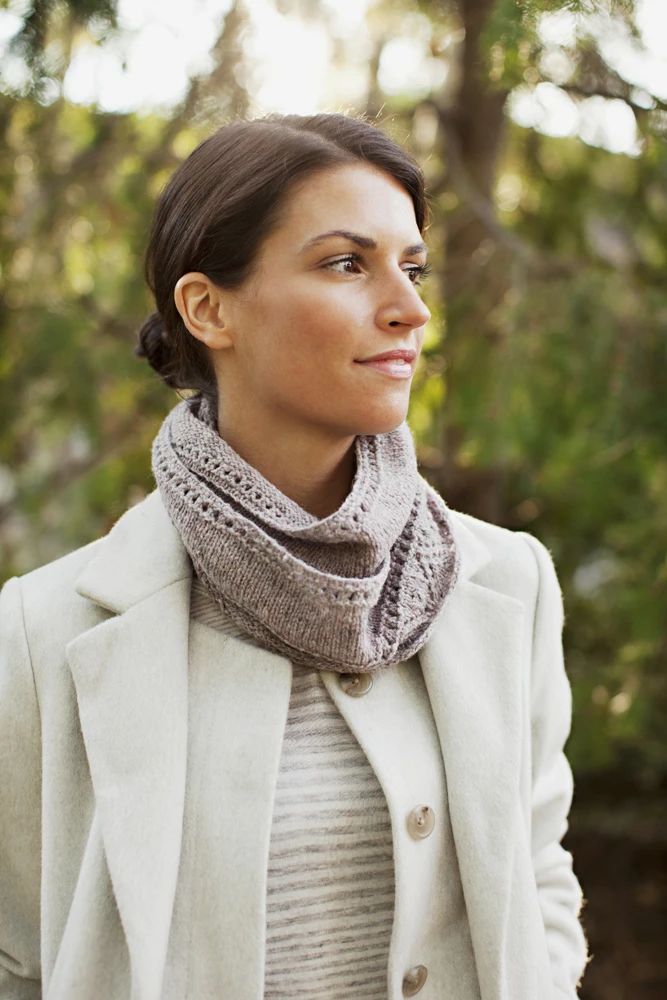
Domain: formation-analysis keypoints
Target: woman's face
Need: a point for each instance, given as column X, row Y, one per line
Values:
column 335, row 283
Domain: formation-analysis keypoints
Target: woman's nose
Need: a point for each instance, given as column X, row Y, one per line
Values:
column 404, row 307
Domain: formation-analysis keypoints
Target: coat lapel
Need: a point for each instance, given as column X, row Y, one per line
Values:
column 472, row 668
column 130, row 673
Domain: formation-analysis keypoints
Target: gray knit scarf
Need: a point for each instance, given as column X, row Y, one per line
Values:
column 351, row 592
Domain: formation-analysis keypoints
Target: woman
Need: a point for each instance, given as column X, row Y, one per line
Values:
column 293, row 728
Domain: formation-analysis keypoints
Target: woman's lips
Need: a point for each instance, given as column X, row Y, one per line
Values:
column 393, row 367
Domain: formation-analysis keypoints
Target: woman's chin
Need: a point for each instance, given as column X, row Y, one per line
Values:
column 380, row 420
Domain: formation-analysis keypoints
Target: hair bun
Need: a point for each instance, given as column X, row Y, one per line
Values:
column 152, row 344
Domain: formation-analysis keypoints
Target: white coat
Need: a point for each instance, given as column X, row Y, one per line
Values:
column 94, row 653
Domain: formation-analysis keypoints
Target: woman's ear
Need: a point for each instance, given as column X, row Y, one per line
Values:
column 201, row 304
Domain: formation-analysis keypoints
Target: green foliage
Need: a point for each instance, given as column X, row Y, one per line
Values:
column 78, row 410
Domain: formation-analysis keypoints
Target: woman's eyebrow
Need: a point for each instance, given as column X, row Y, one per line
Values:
column 363, row 241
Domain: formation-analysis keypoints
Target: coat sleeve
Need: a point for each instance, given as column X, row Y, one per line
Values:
column 559, row 892
column 20, row 795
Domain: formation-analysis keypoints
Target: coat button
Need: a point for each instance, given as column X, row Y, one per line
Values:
column 414, row 979
column 355, row 684
column 421, row 822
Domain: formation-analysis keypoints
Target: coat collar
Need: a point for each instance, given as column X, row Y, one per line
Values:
column 130, row 673
column 141, row 554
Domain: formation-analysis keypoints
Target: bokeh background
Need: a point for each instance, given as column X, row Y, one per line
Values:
column 541, row 398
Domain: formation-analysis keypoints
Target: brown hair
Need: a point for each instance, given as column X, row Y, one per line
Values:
column 223, row 200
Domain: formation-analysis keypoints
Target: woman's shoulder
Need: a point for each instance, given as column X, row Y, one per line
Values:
column 508, row 560
column 140, row 552
column 44, row 604
column 52, row 575
column 49, row 594
column 494, row 536
column 57, row 578
column 52, row 578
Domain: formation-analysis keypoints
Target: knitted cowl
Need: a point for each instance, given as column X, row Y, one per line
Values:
column 352, row 592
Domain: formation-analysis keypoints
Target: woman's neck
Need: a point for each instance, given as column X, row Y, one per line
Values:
column 314, row 471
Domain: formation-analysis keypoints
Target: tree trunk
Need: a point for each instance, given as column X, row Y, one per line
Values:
column 471, row 136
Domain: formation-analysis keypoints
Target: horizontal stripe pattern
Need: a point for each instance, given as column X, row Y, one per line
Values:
column 330, row 879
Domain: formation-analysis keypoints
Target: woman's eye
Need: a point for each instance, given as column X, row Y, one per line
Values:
column 417, row 272
column 344, row 265
column 351, row 264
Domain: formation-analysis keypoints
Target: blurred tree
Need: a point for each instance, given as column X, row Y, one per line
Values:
column 77, row 188
column 48, row 30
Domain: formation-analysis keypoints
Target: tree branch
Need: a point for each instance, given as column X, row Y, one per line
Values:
column 578, row 90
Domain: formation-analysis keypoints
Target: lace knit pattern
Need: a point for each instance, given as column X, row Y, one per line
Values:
column 354, row 591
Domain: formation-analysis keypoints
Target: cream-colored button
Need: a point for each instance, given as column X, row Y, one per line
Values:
column 414, row 979
column 355, row 684
column 421, row 822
